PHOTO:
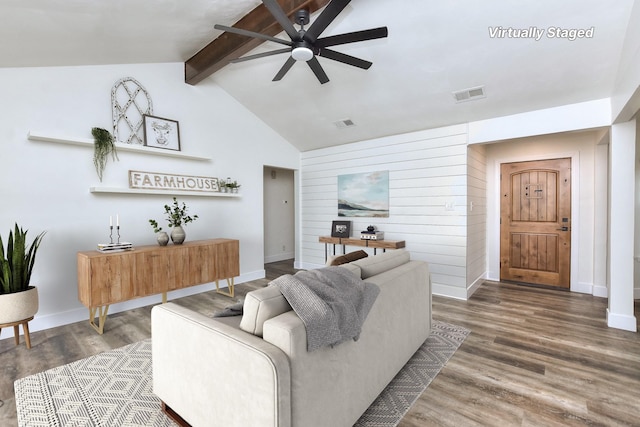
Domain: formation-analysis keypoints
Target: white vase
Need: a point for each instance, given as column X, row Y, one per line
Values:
column 178, row 235
column 18, row 305
column 162, row 238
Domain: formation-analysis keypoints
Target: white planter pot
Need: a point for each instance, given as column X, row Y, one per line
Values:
column 18, row 305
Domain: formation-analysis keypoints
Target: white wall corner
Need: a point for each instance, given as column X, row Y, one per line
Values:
column 307, row 265
column 582, row 287
column 471, row 289
column 600, row 291
column 448, row 291
column 621, row 321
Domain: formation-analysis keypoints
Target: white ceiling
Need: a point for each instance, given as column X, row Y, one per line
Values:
column 434, row 48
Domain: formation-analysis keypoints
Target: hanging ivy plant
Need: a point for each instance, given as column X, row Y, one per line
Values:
column 103, row 146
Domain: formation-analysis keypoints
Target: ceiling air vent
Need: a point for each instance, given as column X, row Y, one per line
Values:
column 469, row 94
column 345, row 123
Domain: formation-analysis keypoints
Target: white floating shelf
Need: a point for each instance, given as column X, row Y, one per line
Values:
column 86, row 142
column 119, row 190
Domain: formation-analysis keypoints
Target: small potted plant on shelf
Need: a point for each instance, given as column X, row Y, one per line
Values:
column 176, row 217
column 233, row 186
column 162, row 236
column 18, row 299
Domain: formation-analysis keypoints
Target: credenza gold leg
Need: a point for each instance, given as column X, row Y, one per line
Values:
column 164, row 297
column 102, row 317
column 230, row 287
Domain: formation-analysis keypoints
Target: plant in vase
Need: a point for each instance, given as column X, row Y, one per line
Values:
column 233, row 186
column 18, row 299
column 176, row 217
column 162, row 236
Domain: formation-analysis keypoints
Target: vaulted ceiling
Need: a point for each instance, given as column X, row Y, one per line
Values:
column 434, row 48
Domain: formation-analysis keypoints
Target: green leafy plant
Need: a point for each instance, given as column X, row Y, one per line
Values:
column 16, row 263
column 176, row 216
column 103, row 146
column 233, row 184
column 154, row 224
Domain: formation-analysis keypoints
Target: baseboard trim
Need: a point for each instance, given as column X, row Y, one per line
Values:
column 48, row 321
column 279, row 257
column 621, row 321
column 475, row 285
column 600, row 291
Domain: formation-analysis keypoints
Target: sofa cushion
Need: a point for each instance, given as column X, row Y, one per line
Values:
column 261, row 305
column 380, row 263
column 343, row 259
column 352, row 268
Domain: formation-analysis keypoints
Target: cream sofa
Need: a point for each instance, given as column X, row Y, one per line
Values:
column 256, row 370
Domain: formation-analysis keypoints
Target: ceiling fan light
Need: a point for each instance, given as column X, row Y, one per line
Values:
column 302, row 54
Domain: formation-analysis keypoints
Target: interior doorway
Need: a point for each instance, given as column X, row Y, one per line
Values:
column 535, row 222
column 279, row 214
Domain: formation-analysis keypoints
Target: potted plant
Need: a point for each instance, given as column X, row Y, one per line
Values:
column 162, row 236
column 18, row 299
column 233, row 186
column 176, row 217
column 103, row 146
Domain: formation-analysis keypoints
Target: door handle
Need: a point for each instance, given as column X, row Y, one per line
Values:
column 563, row 229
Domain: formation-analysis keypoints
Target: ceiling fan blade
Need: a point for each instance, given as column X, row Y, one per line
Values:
column 356, row 36
column 260, row 55
column 277, row 12
column 317, row 70
column 325, row 18
column 247, row 33
column 286, row 67
column 344, row 58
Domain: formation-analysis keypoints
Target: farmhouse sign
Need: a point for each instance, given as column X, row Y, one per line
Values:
column 167, row 181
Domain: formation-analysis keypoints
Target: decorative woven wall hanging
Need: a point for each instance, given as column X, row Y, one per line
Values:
column 129, row 103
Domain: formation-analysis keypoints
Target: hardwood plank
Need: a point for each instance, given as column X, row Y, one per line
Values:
column 535, row 357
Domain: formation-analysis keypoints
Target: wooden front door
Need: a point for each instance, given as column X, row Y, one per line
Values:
column 535, row 222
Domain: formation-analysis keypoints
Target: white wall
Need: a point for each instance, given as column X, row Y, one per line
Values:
column 476, row 217
column 581, row 147
column 45, row 186
column 427, row 170
column 625, row 101
column 620, row 310
column 279, row 214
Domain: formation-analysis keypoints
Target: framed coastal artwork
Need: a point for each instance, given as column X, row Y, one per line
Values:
column 364, row 195
column 161, row 133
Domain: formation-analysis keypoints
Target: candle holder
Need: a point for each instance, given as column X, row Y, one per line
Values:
column 111, row 234
column 118, row 233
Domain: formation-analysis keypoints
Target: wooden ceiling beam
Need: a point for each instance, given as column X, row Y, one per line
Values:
column 230, row 46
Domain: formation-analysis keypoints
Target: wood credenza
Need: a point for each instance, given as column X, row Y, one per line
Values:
column 108, row 278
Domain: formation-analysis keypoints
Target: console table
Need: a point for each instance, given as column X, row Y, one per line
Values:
column 108, row 278
column 347, row 241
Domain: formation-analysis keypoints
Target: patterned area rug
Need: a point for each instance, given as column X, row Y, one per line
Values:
column 114, row 388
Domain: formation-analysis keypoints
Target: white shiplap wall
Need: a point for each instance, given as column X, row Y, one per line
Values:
column 477, row 216
column 427, row 171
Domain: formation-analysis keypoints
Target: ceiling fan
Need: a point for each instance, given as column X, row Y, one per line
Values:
column 305, row 44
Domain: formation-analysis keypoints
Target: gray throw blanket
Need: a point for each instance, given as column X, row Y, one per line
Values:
column 332, row 303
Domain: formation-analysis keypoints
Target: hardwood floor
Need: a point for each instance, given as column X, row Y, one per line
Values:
column 535, row 357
